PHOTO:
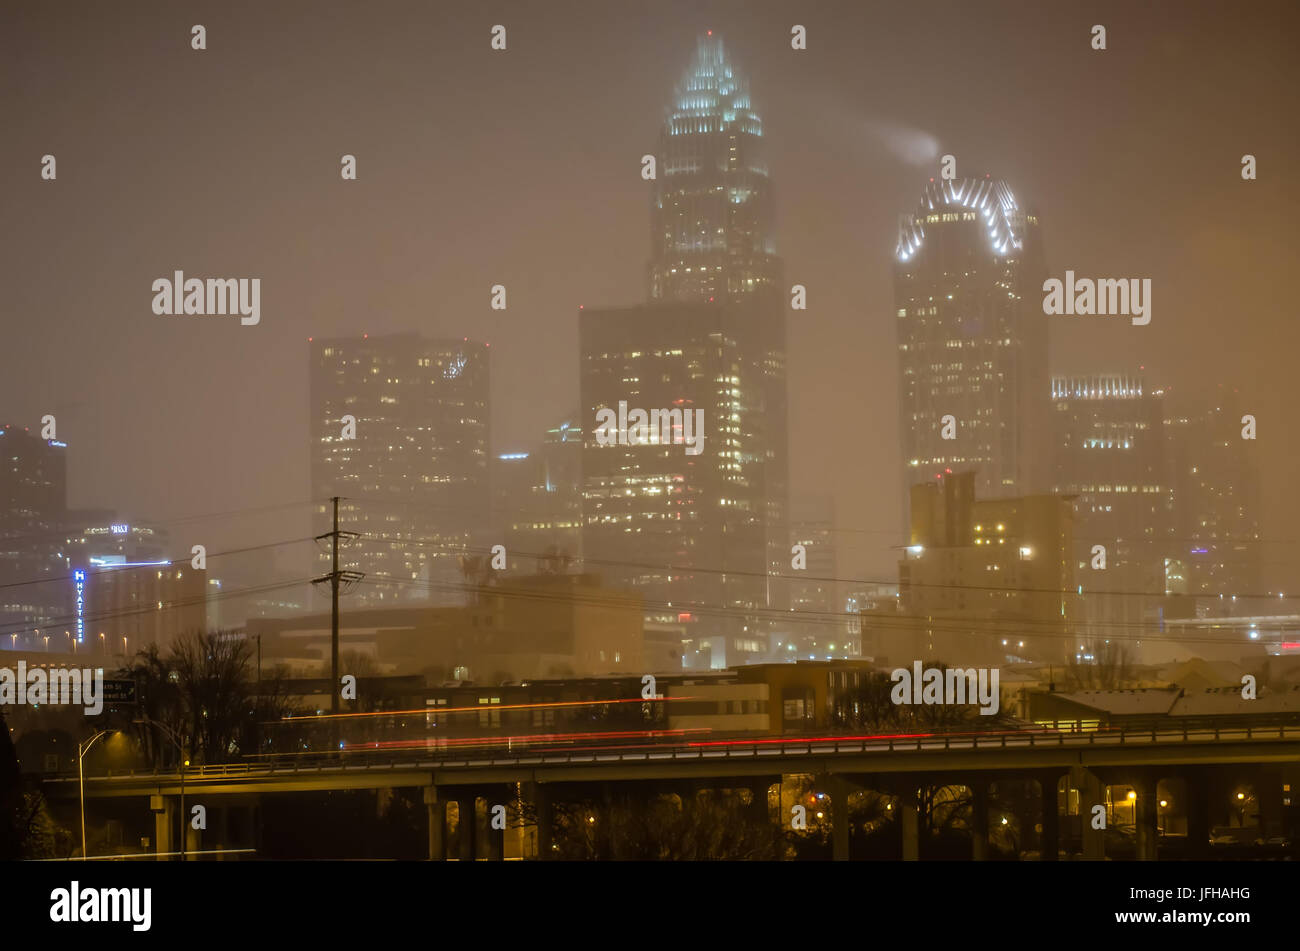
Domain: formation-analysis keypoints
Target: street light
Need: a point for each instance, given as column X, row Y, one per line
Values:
column 82, row 750
column 171, row 735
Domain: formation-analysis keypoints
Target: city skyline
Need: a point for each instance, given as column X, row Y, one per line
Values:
column 833, row 366
column 747, row 431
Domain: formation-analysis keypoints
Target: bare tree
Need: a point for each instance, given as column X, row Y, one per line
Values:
column 1110, row 668
column 213, row 676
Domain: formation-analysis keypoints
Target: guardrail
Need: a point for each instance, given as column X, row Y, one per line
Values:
column 734, row 749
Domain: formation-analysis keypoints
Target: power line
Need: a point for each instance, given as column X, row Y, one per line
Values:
column 905, row 623
column 57, row 621
column 805, row 579
column 151, row 523
column 104, row 569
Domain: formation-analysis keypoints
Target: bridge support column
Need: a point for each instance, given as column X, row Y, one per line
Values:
column 909, row 816
column 1148, row 831
column 223, row 829
column 437, row 810
column 543, row 809
column 839, row 790
column 164, row 817
column 979, row 811
column 1049, row 843
column 467, row 820
column 496, row 838
column 1092, row 792
column 1196, row 782
column 1268, row 796
column 760, row 814
column 193, row 837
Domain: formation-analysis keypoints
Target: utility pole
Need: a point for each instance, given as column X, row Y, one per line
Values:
column 334, row 613
column 334, row 578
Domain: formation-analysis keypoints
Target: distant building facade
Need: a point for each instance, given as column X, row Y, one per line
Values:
column 33, row 509
column 537, row 500
column 1109, row 456
column 523, row 628
column 1215, row 500
column 987, row 581
column 972, row 338
column 695, row 533
column 416, row 475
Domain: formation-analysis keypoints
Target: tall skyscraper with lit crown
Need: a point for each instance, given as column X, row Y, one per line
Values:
column 711, row 207
column 972, row 339
column 699, row 535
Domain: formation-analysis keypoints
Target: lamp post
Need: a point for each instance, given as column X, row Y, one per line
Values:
column 171, row 735
column 82, row 750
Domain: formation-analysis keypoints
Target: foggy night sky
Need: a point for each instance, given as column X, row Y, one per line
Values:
column 478, row 167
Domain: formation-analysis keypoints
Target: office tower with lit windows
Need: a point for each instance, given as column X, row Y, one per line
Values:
column 537, row 501
column 33, row 507
column 1108, row 454
column 713, row 240
column 414, row 479
column 984, row 581
column 972, row 338
column 1215, row 502
column 687, row 530
column 816, row 630
column 700, row 535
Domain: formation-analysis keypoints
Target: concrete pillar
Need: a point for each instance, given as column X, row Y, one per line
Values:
column 437, row 810
column 543, row 805
column 1196, row 780
column 465, row 826
column 1092, row 792
column 839, row 792
column 1049, row 843
column 193, row 838
column 979, row 812
column 496, row 838
column 909, row 815
column 164, row 817
column 760, row 815
column 222, row 816
column 1267, row 781
column 1148, row 833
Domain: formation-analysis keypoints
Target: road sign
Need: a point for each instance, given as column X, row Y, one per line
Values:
column 119, row 691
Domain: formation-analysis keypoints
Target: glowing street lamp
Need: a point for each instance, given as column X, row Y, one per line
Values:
column 82, row 750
